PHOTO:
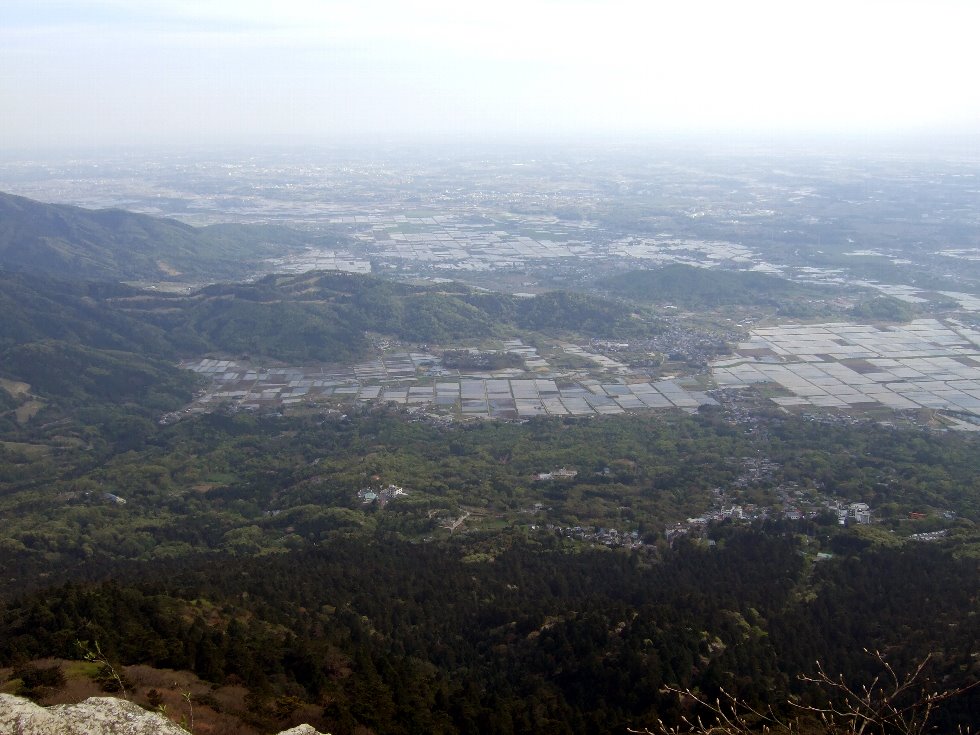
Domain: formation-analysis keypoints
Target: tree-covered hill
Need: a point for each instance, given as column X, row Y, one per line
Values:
column 693, row 288
column 101, row 344
column 314, row 316
column 73, row 372
column 72, row 242
column 884, row 309
column 39, row 308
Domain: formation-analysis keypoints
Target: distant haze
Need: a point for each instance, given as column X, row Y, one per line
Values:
column 136, row 72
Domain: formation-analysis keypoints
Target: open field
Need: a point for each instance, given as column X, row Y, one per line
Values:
column 15, row 388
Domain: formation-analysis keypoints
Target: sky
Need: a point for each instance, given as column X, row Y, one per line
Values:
column 139, row 72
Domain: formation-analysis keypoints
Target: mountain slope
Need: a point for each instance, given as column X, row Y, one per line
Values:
column 111, row 342
column 691, row 287
column 111, row 244
column 40, row 308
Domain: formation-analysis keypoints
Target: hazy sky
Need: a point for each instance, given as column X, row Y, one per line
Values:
column 81, row 72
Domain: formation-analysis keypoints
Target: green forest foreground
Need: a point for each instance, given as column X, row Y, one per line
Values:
column 384, row 635
column 244, row 554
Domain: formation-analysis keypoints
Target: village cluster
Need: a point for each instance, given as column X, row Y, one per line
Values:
column 845, row 513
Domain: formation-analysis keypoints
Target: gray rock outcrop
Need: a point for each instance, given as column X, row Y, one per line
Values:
column 94, row 716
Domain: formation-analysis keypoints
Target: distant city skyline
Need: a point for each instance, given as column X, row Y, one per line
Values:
column 126, row 73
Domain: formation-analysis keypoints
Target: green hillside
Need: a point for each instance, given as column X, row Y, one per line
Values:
column 41, row 308
column 691, row 287
column 110, row 244
column 296, row 318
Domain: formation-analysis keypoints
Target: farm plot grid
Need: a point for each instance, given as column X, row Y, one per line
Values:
column 924, row 364
column 418, row 379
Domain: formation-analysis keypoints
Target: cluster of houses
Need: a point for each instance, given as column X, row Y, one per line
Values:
column 847, row 514
column 930, row 535
column 380, row 495
column 736, row 512
column 559, row 474
column 858, row 513
column 605, row 536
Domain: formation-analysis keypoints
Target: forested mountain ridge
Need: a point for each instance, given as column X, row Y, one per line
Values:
column 337, row 309
column 111, row 244
column 87, row 365
column 691, row 287
column 298, row 318
column 43, row 308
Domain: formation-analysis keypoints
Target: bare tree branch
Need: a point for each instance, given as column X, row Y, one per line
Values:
column 889, row 705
